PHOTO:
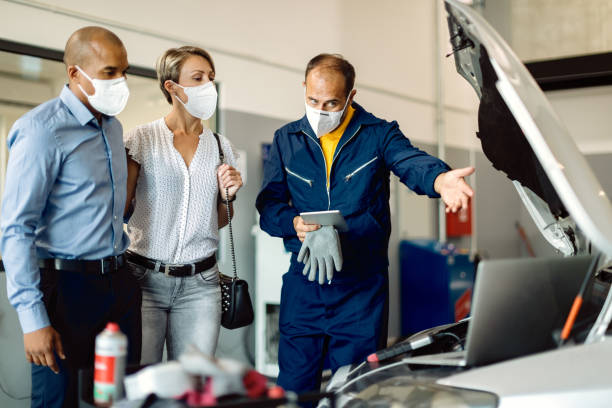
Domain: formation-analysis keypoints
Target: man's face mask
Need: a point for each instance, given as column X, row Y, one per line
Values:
column 202, row 100
column 110, row 95
column 322, row 122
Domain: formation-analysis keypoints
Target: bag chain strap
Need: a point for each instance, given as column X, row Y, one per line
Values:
column 229, row 224
column 227, row 206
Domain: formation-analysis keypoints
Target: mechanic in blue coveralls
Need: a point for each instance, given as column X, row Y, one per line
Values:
column 338, row 156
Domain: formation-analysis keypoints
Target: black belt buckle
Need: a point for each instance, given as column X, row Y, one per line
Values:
column 110, row 264
column 179, row 269
column 105, row 265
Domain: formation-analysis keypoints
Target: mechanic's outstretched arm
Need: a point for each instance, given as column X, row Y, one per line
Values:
column 423, row 173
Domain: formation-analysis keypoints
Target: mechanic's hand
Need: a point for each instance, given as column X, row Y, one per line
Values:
column 39, row 346
column 453, row 189
column 302, row 228
column 229, row 177
column 321, row 252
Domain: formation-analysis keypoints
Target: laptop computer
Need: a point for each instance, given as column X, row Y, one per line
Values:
column 516, row 307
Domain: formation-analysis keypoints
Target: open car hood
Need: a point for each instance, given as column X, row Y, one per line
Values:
column 523, row 137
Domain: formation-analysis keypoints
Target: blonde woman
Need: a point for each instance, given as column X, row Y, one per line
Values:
column 179, row 192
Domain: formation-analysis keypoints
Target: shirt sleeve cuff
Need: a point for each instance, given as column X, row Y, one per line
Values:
column 33, row 318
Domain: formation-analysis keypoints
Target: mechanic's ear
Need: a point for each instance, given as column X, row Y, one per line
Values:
column 352, row 96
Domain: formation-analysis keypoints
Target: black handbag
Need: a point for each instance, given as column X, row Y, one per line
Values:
column 236, row 306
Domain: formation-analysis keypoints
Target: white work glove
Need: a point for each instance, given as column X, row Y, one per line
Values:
column 321, row 252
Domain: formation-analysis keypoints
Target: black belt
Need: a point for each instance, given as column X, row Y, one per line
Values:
column 173, row 269
column 101, row 266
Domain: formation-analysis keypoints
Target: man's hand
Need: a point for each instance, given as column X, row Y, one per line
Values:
column 39, row 346
column 301, row 228
column 229, row 177
column 453, row 189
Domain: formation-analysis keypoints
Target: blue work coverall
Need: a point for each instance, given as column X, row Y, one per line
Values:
column 346, row 319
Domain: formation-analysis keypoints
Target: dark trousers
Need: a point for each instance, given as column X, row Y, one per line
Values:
column 79, row 305
column 341, row 322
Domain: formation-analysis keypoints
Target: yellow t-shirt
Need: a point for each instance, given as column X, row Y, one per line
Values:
column 330, row 140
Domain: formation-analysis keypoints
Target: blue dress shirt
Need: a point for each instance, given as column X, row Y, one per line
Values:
column 64, row 196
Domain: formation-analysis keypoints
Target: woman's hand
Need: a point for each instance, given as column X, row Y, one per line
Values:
column 228, row 177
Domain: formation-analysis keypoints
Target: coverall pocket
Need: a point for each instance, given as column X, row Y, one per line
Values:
column 375, row 226
column 349, row 176
column 297, row 176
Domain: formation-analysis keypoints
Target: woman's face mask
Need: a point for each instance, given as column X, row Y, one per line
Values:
column 201, row 100
column 110, row 95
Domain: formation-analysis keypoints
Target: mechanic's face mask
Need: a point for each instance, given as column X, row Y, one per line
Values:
column 323, row 122
column 110, row 95
column 202, row 100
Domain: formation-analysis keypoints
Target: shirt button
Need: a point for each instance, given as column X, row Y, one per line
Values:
column 115, row 217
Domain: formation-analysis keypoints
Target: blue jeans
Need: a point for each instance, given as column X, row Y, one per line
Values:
column 178, row 311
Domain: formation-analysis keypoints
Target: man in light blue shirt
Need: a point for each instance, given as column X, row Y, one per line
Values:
column 62, row 227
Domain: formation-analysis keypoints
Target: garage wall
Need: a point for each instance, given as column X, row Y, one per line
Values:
column 586, row 113
column 261, row 48
column 548, row 29
column 498, row 209
column 544, row 29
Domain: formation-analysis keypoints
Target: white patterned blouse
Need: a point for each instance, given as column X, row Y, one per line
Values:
column 175, row 215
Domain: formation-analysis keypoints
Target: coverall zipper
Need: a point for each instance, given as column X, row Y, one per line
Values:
column 299, row 177
column 336, row 154
column 363, row 166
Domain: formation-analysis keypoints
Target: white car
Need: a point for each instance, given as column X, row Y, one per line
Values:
column 522, row 137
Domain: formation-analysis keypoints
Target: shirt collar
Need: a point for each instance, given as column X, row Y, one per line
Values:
column 75, row 106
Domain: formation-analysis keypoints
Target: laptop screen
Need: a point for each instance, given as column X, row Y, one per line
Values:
column 519, row 303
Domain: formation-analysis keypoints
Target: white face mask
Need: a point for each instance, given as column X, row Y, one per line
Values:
column 202, row 100
column 110, row 95
column 323, row 122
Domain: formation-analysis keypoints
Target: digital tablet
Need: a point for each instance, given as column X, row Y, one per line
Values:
column 331, row 217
